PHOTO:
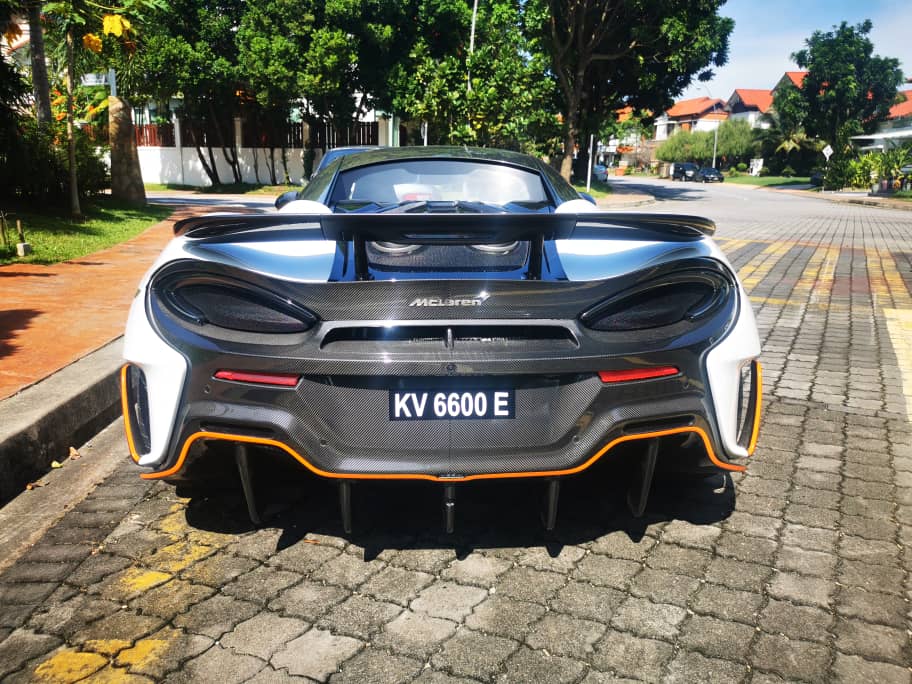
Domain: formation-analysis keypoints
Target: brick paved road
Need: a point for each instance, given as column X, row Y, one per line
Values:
column 798, row 570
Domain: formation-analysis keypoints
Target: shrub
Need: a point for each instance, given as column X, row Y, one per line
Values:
column 35, row 167
column 764, row 171
column 862, row 171
column 741, row 166
column 788, row 171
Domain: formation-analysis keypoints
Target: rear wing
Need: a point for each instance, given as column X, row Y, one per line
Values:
column 446, row 229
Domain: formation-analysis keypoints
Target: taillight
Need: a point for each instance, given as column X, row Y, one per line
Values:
column 631, row 374
column 236, row 306
column 275, row 379
column 681, row 297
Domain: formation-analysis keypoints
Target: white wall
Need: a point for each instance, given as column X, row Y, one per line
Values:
column 706, row 125
column 182, row 165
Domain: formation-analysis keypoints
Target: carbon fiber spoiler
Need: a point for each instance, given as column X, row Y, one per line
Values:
column 447, row 229
column 432, row 228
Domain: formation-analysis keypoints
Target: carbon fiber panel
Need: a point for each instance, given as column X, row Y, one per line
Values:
column 342, row 425
column 382, row 300
column 448, row 258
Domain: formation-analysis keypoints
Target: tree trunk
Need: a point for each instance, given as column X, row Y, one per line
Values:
column 232, row 158
column 272, row 167
column 75, row 209
column 40, row 85
column 210, row 169
column 566, row 169
column 126, row 175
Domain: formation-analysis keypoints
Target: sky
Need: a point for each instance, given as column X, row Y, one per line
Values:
column 768, row 31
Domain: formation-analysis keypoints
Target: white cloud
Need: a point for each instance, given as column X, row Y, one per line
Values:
column 760, row 48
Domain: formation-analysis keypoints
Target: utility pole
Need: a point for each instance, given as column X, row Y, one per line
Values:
column 471, row 45
column 716, row 132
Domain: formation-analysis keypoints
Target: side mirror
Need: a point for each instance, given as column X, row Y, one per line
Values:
column 589, row 198
column 285, row 198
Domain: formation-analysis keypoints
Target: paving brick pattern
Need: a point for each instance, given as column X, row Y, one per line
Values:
column 798, row 570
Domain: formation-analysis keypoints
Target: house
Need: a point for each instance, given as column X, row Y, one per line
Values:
column 696, row 114
column 750, row 105
column 796, row 78
column 894, row 132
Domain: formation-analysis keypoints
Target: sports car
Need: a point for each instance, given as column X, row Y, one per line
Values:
column 448, row 315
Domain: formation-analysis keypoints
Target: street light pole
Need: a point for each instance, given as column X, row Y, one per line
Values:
column 471, row 45
column 716, row 130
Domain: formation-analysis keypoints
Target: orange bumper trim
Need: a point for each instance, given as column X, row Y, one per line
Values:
column 755, row 433
column 434, row 478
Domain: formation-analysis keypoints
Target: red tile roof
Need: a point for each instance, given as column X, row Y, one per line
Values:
column 902, row 109
column 796, row 77
column 694, row 107
column 761, row 99
column 624, row 113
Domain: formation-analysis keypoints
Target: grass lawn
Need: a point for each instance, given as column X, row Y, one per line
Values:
column 597, row 189
column 227, row 188
column 903, row 195
column 768, row 180
column 54, row 237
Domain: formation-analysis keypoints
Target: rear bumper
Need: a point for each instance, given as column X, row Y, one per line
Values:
column 338, row 427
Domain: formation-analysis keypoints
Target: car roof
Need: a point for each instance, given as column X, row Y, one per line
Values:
column 483, row 154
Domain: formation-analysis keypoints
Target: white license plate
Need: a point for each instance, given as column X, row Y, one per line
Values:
column 451, row 405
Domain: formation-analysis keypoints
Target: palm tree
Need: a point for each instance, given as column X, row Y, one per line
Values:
column 40, row 84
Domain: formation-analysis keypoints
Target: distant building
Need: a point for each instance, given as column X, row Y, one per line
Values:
column 697, row 114
column 796, row 78
column 750, row 105
column 894, row 132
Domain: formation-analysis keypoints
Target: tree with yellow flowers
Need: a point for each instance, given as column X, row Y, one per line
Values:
column 84, row 20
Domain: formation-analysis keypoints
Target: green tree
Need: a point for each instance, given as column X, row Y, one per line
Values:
column 608, row 53
column 79, row 22
column 848, row 89
column 192, row 52
column 687, row 146
column 498, row 95
column 736, row 141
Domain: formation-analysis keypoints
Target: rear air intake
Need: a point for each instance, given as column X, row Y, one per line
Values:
column 749, row 406
column 136, row 409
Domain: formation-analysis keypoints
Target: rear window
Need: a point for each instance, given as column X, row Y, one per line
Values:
column 433, row 179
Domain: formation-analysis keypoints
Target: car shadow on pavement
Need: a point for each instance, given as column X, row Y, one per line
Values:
column 491, row 514
column 680, row 191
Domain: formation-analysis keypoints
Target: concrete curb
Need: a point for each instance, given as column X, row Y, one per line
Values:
column 899, row 205
column 39, row 424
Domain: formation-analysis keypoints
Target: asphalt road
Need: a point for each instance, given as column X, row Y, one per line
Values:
column 798, row 570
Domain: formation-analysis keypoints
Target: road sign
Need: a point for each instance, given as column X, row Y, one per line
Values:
column 827, row 152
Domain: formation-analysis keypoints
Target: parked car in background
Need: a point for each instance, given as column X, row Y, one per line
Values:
column 685, row 171
column 709, row 175
column 600, row 173
column 331, row 155
column 447, row 315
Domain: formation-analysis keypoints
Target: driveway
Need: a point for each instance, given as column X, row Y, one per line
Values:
column 798, row 570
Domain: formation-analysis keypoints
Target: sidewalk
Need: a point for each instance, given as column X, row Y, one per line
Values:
column 55, row 315
column 622, row 198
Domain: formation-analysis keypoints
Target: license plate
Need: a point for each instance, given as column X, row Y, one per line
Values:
column 451, row 405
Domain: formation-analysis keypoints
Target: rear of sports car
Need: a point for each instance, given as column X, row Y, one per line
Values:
column 443, row 347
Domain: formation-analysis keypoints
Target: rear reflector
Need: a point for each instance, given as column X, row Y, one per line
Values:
column 277, row 379
column 637, row 374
